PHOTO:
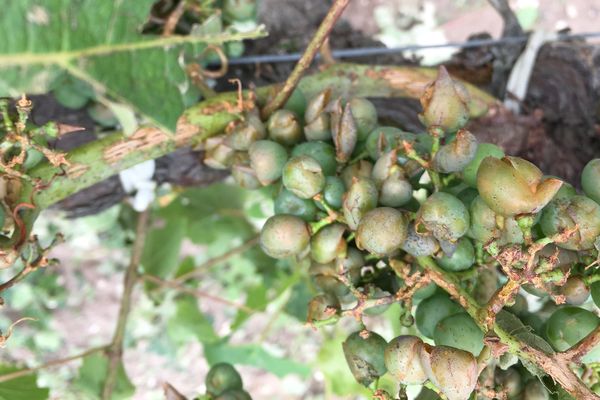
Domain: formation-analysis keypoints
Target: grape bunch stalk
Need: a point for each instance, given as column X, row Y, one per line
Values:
column 453, row 230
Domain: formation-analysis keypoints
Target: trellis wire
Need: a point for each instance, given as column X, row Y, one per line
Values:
column 378, row 51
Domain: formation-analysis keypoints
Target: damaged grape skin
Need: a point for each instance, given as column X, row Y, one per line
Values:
column 364, row 352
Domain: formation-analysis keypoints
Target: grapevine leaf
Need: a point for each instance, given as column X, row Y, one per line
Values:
column 93, row 373
column 23, row 388
column 161, row 248
column 188, row 322
column 99, row 42
column 254, row 355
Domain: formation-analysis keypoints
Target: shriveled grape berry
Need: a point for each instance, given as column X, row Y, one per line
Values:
column 322, row 307
column 284, row 236
column 303, row 176
column 382, row 231
column 222, row 377
column 284, row 128
column 445, row 216
column 344, row 132
column 418, row 245
column 267, row 159
column 318, row 122
column 328, row 243
column 386, row 138
column 364, row 352
column 403, row 360
column 359, row 169
column 456, row 155
column 245, row 133
column 242, row 172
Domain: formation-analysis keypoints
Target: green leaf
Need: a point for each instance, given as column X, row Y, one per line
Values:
column 256, row 300
column 161, row 249
column 23, row 388
column 298, row 302
column 93, row 373
column 188, row 322
column 99, row 42
column 254, row 355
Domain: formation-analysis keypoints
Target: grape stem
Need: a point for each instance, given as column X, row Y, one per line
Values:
column 557, row 365
column 335, row 12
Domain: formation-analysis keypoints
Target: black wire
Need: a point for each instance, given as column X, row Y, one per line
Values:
column 377, row 51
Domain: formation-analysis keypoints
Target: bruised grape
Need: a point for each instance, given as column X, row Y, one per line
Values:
column 322, row 152
column 303, row 176
column 432, row 310
column 322, row 307
column 418, row 245
column 512, row 185
column 328, row 243
column 403, row 361
column 463, row 257
column 284, row 236
column 453, row 371
column 364, row 352
column 445, row 103
column 575, row 291
column 288, row 203
column 459, row 331
column 222, row 377
column 568, row 213
column 456, row 155
column 381, row 231
column 445, row 216
column 360, row 199
column 284, row 128
column 267, row 159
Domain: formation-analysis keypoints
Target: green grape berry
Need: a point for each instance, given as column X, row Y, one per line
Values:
column 284, row 236
column 235, row 394
column 568, row 325
column 386, row 138
column 303, row 176
column 365, row 116
column 432, row 310
column 535, row 390
column 328, row 243
column 239, row 10
column 323, row 152
column 509, row 380
column 284, row 127
column 462, row 259
column 395, row 192
column 245, row 133
column 382, row 231
column 364, row 352
column 469, row 173
column 361, row 198
column 222, row 377
column 288, row 203
column 267, row 159
column 445, row 216
column 459, row 331
column 590, row 180
column 333, row 192
column 403, row 360
column 32, row 158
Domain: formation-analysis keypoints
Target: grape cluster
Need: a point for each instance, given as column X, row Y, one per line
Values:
column 361, row 203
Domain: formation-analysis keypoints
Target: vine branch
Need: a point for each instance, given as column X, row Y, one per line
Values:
column 557, row 365
column 334, row 13
column 115, row 349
